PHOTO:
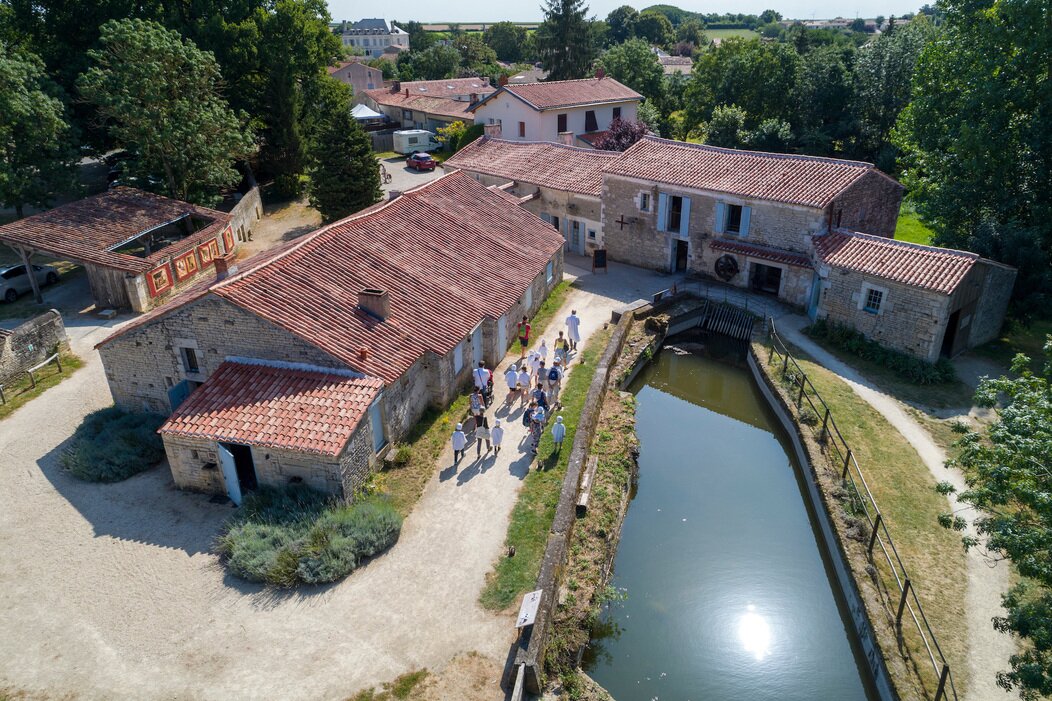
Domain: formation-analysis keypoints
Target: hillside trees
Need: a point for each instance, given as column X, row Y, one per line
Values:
column 37, row 151
column 622, row 24
column 509, row 41
column 159, row 97
column 566, row 41
column 635, row 65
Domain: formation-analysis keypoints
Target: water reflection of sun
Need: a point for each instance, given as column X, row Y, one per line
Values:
column 754, row 633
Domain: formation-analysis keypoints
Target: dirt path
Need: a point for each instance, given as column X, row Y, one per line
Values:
column 113, row 591
column 988, row 650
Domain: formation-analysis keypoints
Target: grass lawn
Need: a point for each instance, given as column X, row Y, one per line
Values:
column 20, row 390
column 729, row 33
column 911, row 229
column 1017, row 338
column 904, row 490
column 401, row 688
column 531, row 519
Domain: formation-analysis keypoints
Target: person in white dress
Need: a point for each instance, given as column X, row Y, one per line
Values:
column 573, row 329
column 496, row 436
column 460, row 443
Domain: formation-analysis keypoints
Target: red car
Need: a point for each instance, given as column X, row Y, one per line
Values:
column 420, row 161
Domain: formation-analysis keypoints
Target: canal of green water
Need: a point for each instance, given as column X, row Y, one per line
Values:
column 728, row 593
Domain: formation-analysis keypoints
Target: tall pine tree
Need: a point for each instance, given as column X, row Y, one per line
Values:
column 566, row 40
column 344, row 173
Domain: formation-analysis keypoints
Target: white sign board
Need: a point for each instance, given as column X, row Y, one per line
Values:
column 528, row 610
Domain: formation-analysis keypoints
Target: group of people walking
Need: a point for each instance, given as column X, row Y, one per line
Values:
column 532, row 381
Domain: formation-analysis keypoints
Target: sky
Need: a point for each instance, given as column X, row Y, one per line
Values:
column 529, row 10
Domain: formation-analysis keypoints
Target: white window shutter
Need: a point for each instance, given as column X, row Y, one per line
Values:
column 721, row 217
column 856, row 298
column 746, row 212
column 684, row 218
column 662, row 220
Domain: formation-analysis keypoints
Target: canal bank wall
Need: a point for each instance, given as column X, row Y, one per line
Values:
column 831, row 539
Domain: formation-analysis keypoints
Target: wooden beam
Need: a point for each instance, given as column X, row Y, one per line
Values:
column 27, row 257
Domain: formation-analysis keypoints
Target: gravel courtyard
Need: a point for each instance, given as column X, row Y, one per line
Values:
column 113, row 591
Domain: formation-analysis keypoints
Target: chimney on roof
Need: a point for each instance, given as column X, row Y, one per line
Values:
column 375, row 302
column 491, row 130
column 503, row 80
column 225, row 267
column 566, row 137
column 393, row 194
column 473, row 97
column 396, row 86
column 600, row 73
column 407, row 92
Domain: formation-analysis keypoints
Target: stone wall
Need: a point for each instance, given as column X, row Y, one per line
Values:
column 245, row 214
column 911, row 319
column 870, row 205
column 144, row 362
column 796, row 281
column 997, row 283
column 30, row 343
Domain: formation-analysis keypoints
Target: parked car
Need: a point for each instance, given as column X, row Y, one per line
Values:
column 14, row 281
column 420, row 161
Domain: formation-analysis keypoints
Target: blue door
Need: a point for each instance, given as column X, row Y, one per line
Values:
column 816, row 294
column 376, row 423
column 178, row 393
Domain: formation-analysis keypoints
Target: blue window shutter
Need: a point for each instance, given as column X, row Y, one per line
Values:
column 662, row 220
column 744, row 231
column 721, row 217
column 546, row 217
column 684, row 217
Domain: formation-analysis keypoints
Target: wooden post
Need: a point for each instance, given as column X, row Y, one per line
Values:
column 940, row 693
column 847, row 461
column 825, row 428
column 873, row 535
column 785, row 364
column 800, row 397
column 58, row 361
column 26, row 258
column 32, row 380
column 3, row 399
column 902, row 603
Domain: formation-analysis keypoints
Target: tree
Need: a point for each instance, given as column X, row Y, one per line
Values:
column 648, row 114
column 160, row 98
column 450, row 135
column 475, row 55
column 621, row 135
column 419, row 38
column 507, row 41
column 635, row 65
column 566, row 41
column 858, row 25
column 1008, row 482
column 622, row 24
column 772, row 135
column 344, row 172
column 435, row 63
column 691, row 32
column 655, row 28
column 727, row 127
column 37, row 155
column 823, row 95
column 768, row 16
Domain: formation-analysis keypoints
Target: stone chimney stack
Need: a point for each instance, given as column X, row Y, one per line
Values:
column 503, row 80
column 375, row 302
column 566, row 137
column 396, row 86
column 473, row 97
column 225, row 267
column 491, row 130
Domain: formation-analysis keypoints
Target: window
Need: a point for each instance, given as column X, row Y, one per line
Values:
column 371, row 85
column 190, row 364
column 522, row 130
column 413, row 139
column 591, row 234
column 562, row 123
column 407, row 114
column 874, row 298
column 675, row 213
column 550, row 272
column 644, row 202
column 528, row 301
column 617, row 113
column 589, row 121
column 458, row 358
column 734, row 218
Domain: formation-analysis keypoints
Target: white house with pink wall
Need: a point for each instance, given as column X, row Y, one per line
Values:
column 575, row 112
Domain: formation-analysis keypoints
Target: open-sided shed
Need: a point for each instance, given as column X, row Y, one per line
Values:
column 138, row 248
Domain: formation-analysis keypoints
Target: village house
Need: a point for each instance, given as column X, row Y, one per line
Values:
column 139, row 249
column 374, row 36
column 359, row 76
column 776, row 224
column 575, row 112
column 305, row 362
column 560, row 184
column 428, row 104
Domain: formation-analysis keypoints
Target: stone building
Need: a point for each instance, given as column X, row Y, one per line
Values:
column 374, row 36
column 428, row 104
column 359, row 76
column 776, row 224
column 559, row 183
column 404, row 298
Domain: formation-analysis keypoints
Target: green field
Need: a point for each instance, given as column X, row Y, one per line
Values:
column 728, row 33
column 910, row 228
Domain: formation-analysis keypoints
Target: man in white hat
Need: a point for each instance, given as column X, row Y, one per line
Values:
column 460, row 444
column 496, row 436
column 511, row 377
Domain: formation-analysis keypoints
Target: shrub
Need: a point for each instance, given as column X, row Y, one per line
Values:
column 111, row 445
column 914, row 369
column 297, row 535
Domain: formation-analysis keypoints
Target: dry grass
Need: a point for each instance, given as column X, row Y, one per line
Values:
column 904, row 490
column 21, row 390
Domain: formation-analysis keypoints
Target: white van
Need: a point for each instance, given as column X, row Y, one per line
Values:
column 413, row 140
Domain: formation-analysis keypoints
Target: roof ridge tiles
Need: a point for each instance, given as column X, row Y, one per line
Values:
column 749, row 152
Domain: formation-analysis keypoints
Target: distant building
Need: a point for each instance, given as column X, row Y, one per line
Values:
column 676, row 64
column 429, row 104
column 359, row 76
column 374, row 36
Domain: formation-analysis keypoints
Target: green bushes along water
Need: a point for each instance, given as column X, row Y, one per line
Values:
column 112, row 445
column 296, row 535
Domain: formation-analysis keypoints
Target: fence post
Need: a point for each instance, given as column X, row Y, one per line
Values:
column 940, row 693
column 58, row 361
column 785, row 363
column 800, row 397
column 825, row 428
column 902, row 602
column 873, row 535
column 32, row 380
column 3, row 399
column 847, row 461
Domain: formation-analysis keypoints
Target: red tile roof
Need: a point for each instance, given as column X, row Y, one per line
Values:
column 591, row 137
column 429, row 104
column 804, row 180
column 541, row 163
column 450, row 87
column 300, row 408
column 938, row 269
column 555, row 94
column 449, row 253
column 752, row 250
column 87, row 230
